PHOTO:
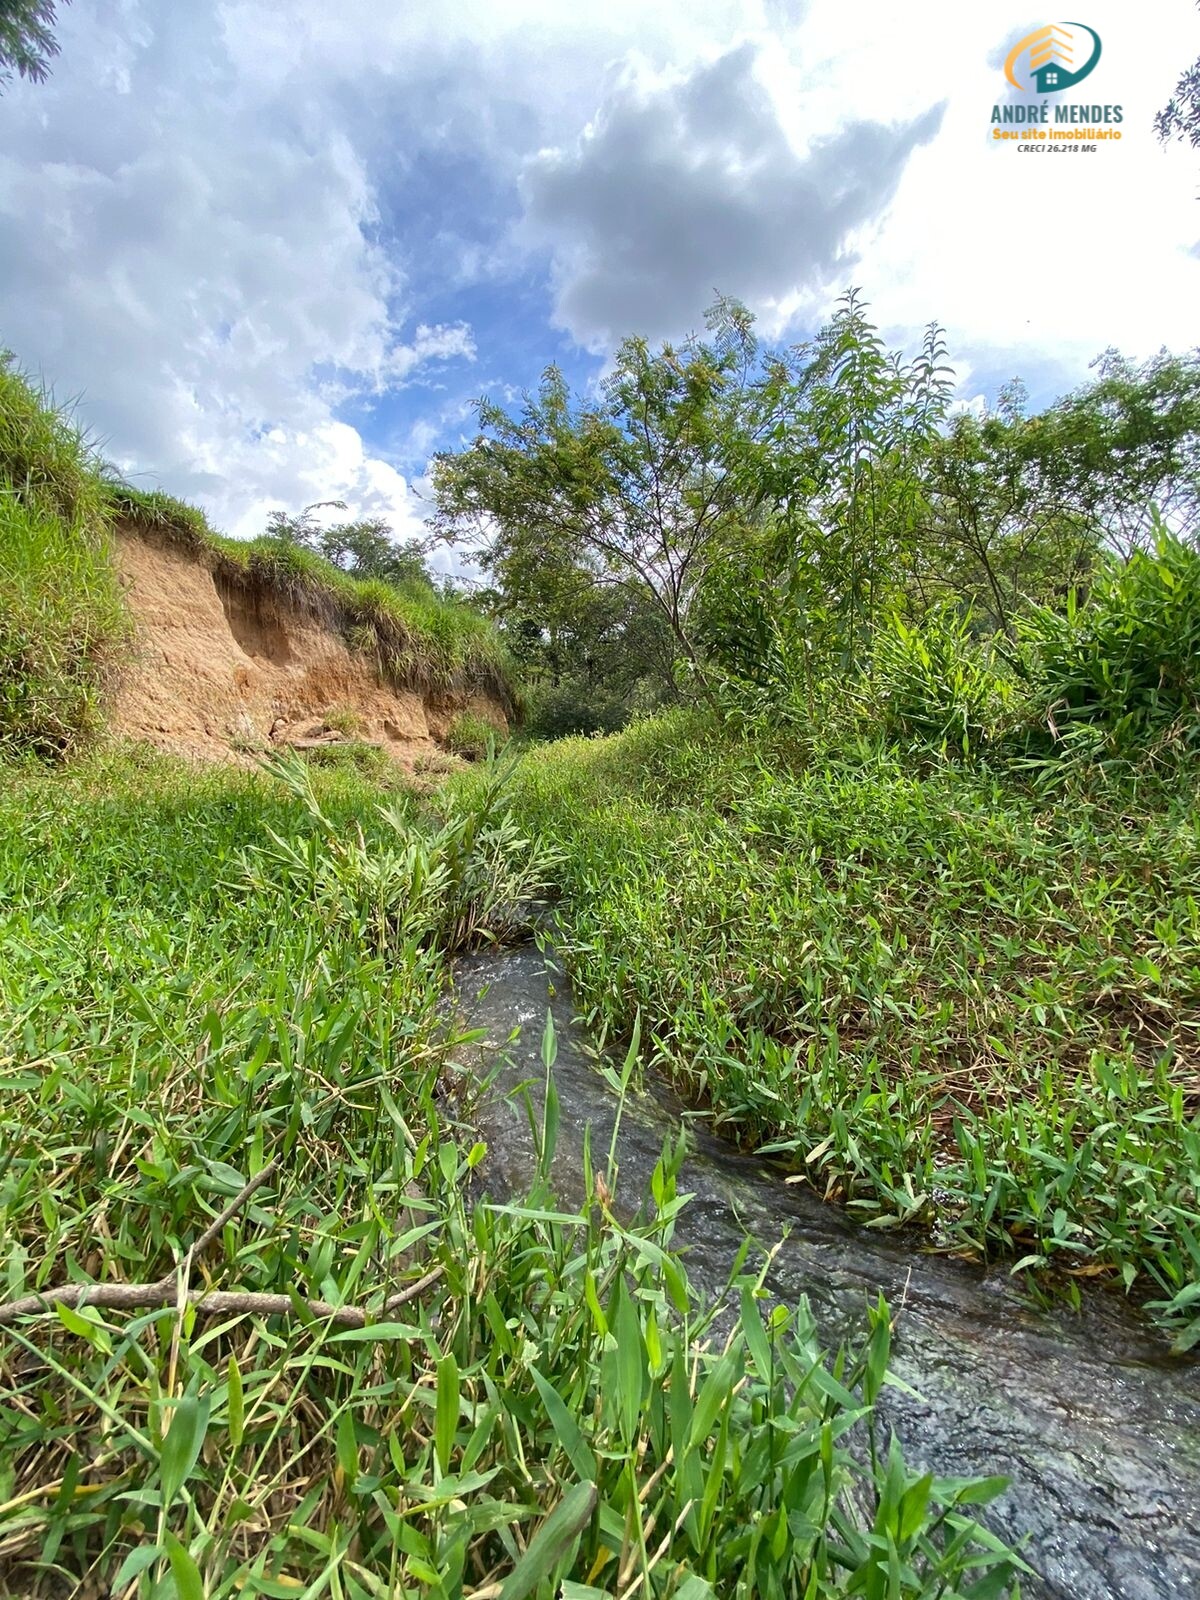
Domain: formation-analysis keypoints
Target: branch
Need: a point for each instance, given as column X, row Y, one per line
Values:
column 209, row 1303
column 230, row 1211
column 165, row 1291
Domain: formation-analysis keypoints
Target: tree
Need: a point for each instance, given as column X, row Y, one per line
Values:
column 366, row 547
column 632, row 491
column 834, row 471
column 27, row 45
column 1180, row 117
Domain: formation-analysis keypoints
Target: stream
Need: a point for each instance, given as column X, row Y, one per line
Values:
column 1096, row 1425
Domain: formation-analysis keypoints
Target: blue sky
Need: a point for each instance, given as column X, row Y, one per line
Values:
column 276, row 248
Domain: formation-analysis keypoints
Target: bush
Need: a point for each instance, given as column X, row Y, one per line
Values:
column 470, row 879
column 575, row 706
column 936, row 685
column 471, row 736
column 1122, row 671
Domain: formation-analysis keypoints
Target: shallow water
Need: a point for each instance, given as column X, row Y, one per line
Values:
column 1097, row 1426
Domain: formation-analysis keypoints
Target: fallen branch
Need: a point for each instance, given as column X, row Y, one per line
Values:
column 207, row 1302
column 230, row 1211
column 165, row 1291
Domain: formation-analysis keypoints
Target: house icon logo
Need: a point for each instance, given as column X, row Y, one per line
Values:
column 1059, row 56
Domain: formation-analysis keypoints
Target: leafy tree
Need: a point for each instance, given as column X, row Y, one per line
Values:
column 368, row 548
column 365, row 547
column 1180, row 117
column 27, row 45
column 632, row 491
column 833, row 473
column 302, row 529
column 1019, row 509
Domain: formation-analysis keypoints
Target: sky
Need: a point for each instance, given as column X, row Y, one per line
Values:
column 275, row 249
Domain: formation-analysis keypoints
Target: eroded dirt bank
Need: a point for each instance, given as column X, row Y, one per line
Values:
column 220, row 668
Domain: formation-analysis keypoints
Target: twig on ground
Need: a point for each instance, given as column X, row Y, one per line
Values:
column 207, row 1302
column 166, row 1291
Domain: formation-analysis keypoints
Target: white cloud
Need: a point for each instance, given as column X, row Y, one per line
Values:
column 688, row 183
column 192, row 237
column 1027, row 259
column 442, row 342
column 183, row 254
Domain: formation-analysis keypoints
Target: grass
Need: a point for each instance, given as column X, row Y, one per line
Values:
column 61, row 616
column 950, row 1001
column 471, row 735
column 419, row 637
column 210, row 976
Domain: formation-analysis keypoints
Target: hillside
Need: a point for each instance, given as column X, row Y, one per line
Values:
column 224, row 661
column 123, row 612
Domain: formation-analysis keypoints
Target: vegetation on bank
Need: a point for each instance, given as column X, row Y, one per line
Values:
column 61, row 617
column 62, row 622
column 914, row 901
column 225, row 1050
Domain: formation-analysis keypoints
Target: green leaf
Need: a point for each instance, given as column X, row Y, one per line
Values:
column 375, row 1333
column 237, row 1406
column 188, row 1583
column 980, row 1492
column 84, row 1326
column 446, row 1418
column 182, row 1445
column 756, row 1335
column 694, row 1588
column 566, row 1429
column 632, row 1372
column 551, row 1542
column 136, row 1561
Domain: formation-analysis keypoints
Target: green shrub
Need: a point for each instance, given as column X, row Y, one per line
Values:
column 1121, row 672
column 934, row 684
column 557, row 711
column 471, row 736
column 469, row 879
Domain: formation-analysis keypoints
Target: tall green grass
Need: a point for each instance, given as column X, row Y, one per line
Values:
column 952, row 1001
column 61, row 616
column 522, row 1401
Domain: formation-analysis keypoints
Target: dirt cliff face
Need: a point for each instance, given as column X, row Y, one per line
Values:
column 220, row 668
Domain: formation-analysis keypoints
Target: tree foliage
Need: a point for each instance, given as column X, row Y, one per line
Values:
column 27, row 42
column 631, row 491
column 366, row 547
column 783, row 526
column 1180, row 117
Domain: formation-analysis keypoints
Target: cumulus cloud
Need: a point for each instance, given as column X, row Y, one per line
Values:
column 265, row 243
column 683, row 185
column 186, row 255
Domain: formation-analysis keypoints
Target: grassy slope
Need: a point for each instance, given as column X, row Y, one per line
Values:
column 60, row 608
column 166, row 1028
column 951, row 1001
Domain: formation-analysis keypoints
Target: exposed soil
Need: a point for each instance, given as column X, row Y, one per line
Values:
column 221, row 670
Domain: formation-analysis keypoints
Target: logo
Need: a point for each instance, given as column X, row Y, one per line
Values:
column 1060, row 56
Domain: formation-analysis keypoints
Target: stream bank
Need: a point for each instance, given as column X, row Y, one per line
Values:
column 1096, row 1425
